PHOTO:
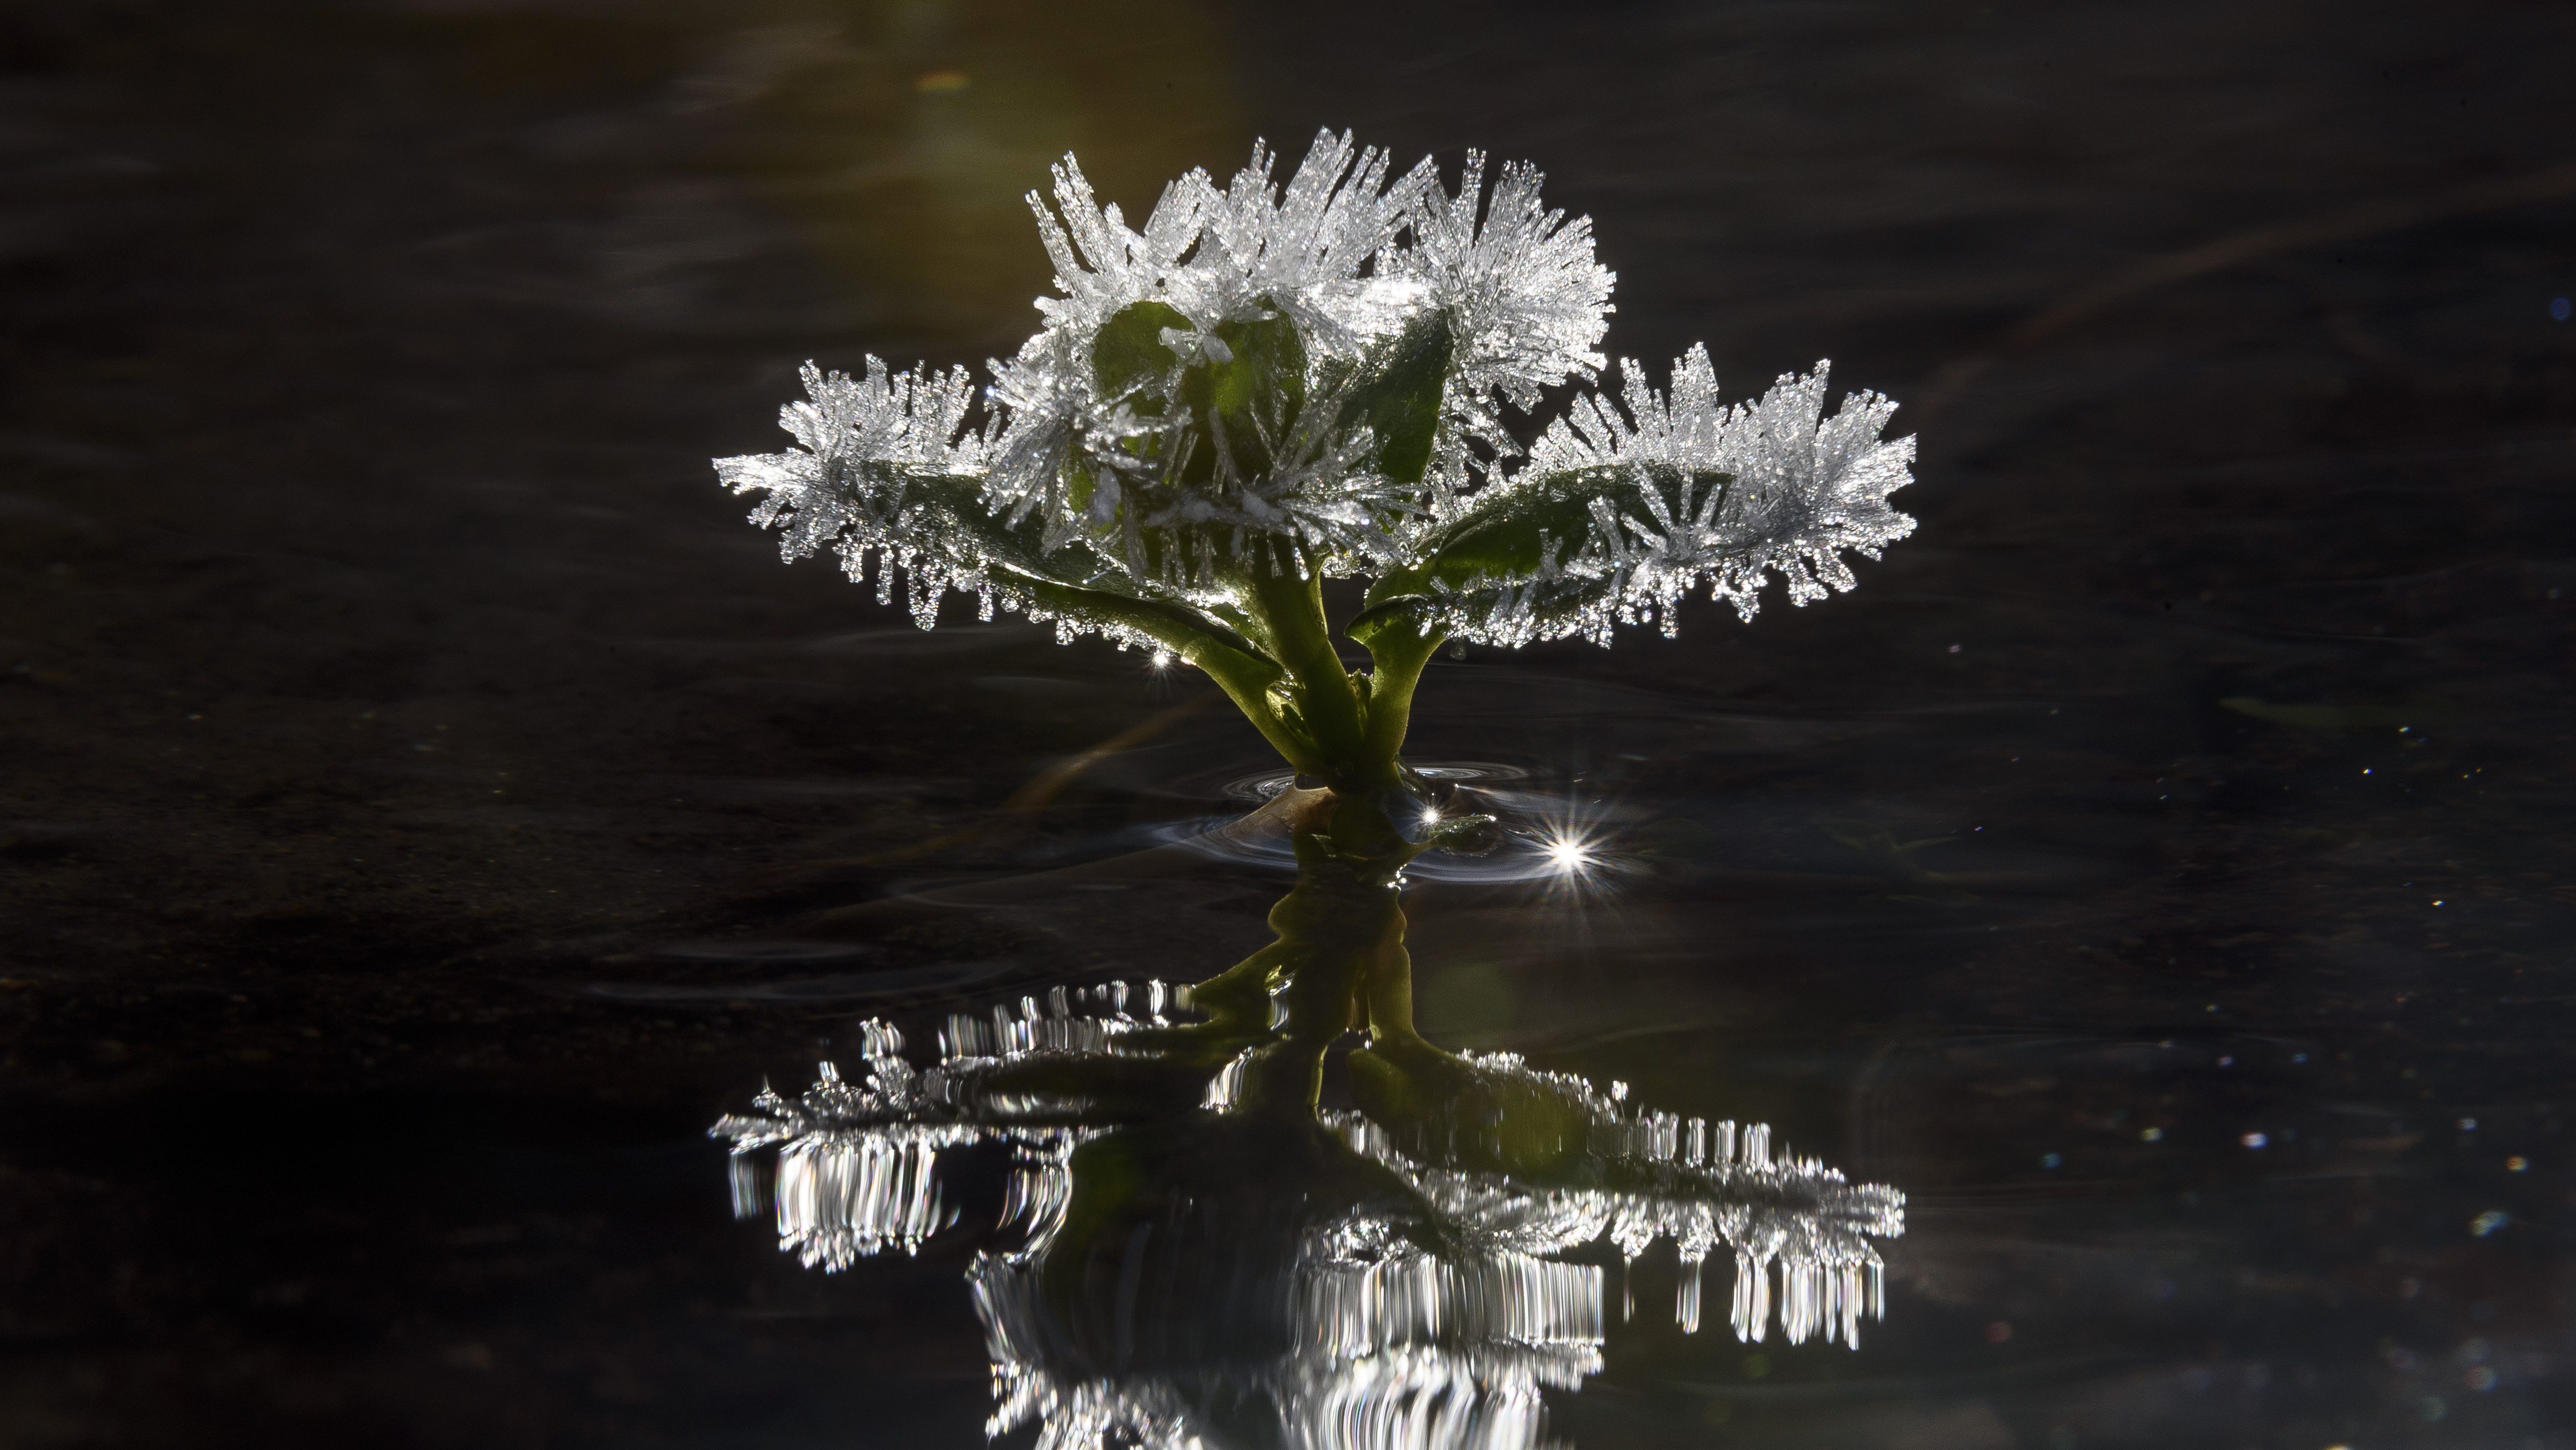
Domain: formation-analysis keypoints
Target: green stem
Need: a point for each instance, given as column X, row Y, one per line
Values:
column 1399, row 657
column 1245, row 677
column 1344, row 729
column 1291, row 613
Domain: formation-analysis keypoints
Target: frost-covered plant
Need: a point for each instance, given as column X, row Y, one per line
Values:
column 1268, row 386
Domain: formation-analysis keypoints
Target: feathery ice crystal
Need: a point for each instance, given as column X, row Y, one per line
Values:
column 1268, row 385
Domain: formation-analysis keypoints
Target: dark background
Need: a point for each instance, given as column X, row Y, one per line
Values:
column 426, row 805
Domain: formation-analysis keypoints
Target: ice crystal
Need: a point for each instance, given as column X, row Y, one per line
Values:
column 1682, row 491
column 1301, row 250
column 1100, row 265
column 1526, row 301
column 1311, row 375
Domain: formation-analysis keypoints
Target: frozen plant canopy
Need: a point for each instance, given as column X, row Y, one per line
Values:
column 1272, row 384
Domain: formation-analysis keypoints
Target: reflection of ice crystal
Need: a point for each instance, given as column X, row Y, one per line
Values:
column 856, row 1166
column 1329, row 1325
column 1694, row 1183
column 1412, row 1351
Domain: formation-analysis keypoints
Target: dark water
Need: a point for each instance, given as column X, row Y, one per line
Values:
column 427, row 807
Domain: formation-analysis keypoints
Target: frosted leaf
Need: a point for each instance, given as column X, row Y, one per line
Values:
column 888, row 477
column 1680, row 491
column 1123, row 466
column 1318, row 495
column 1046, row 404
column 857, row 438
column 1518, row 281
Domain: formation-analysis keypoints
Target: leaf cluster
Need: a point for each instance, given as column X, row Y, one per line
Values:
column 1268, row 386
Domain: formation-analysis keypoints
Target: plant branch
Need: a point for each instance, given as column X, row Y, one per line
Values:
column 1235, row 664
column 1399, row 651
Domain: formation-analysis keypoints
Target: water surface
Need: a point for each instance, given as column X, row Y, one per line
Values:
column 429, row 807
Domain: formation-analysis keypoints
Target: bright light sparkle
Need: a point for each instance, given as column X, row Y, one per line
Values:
column 1569, row 855
column 1162, row 659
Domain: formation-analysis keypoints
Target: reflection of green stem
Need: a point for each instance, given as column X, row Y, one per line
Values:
column 1272, row 1021
column 1334, row 927
column 1339, row 962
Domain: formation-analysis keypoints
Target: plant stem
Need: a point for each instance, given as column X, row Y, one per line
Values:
column 1245, row 678
column 1291, row 613
column 1335, row 726
column 1399, row 658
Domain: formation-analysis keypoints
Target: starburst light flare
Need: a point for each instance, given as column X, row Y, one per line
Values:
column 1569, row 856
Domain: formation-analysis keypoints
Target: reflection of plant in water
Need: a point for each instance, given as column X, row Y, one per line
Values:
column 1201, row 1254
column 1267, row 387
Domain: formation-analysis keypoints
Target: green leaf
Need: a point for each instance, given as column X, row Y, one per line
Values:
column 1386, row 612
column 1396, row 392
column 1130, row 350
column 949, row 513
column 1176, row 626
column 1521, row 531
column 1254, row 395
column 1129, row 358
column 1245, row 384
